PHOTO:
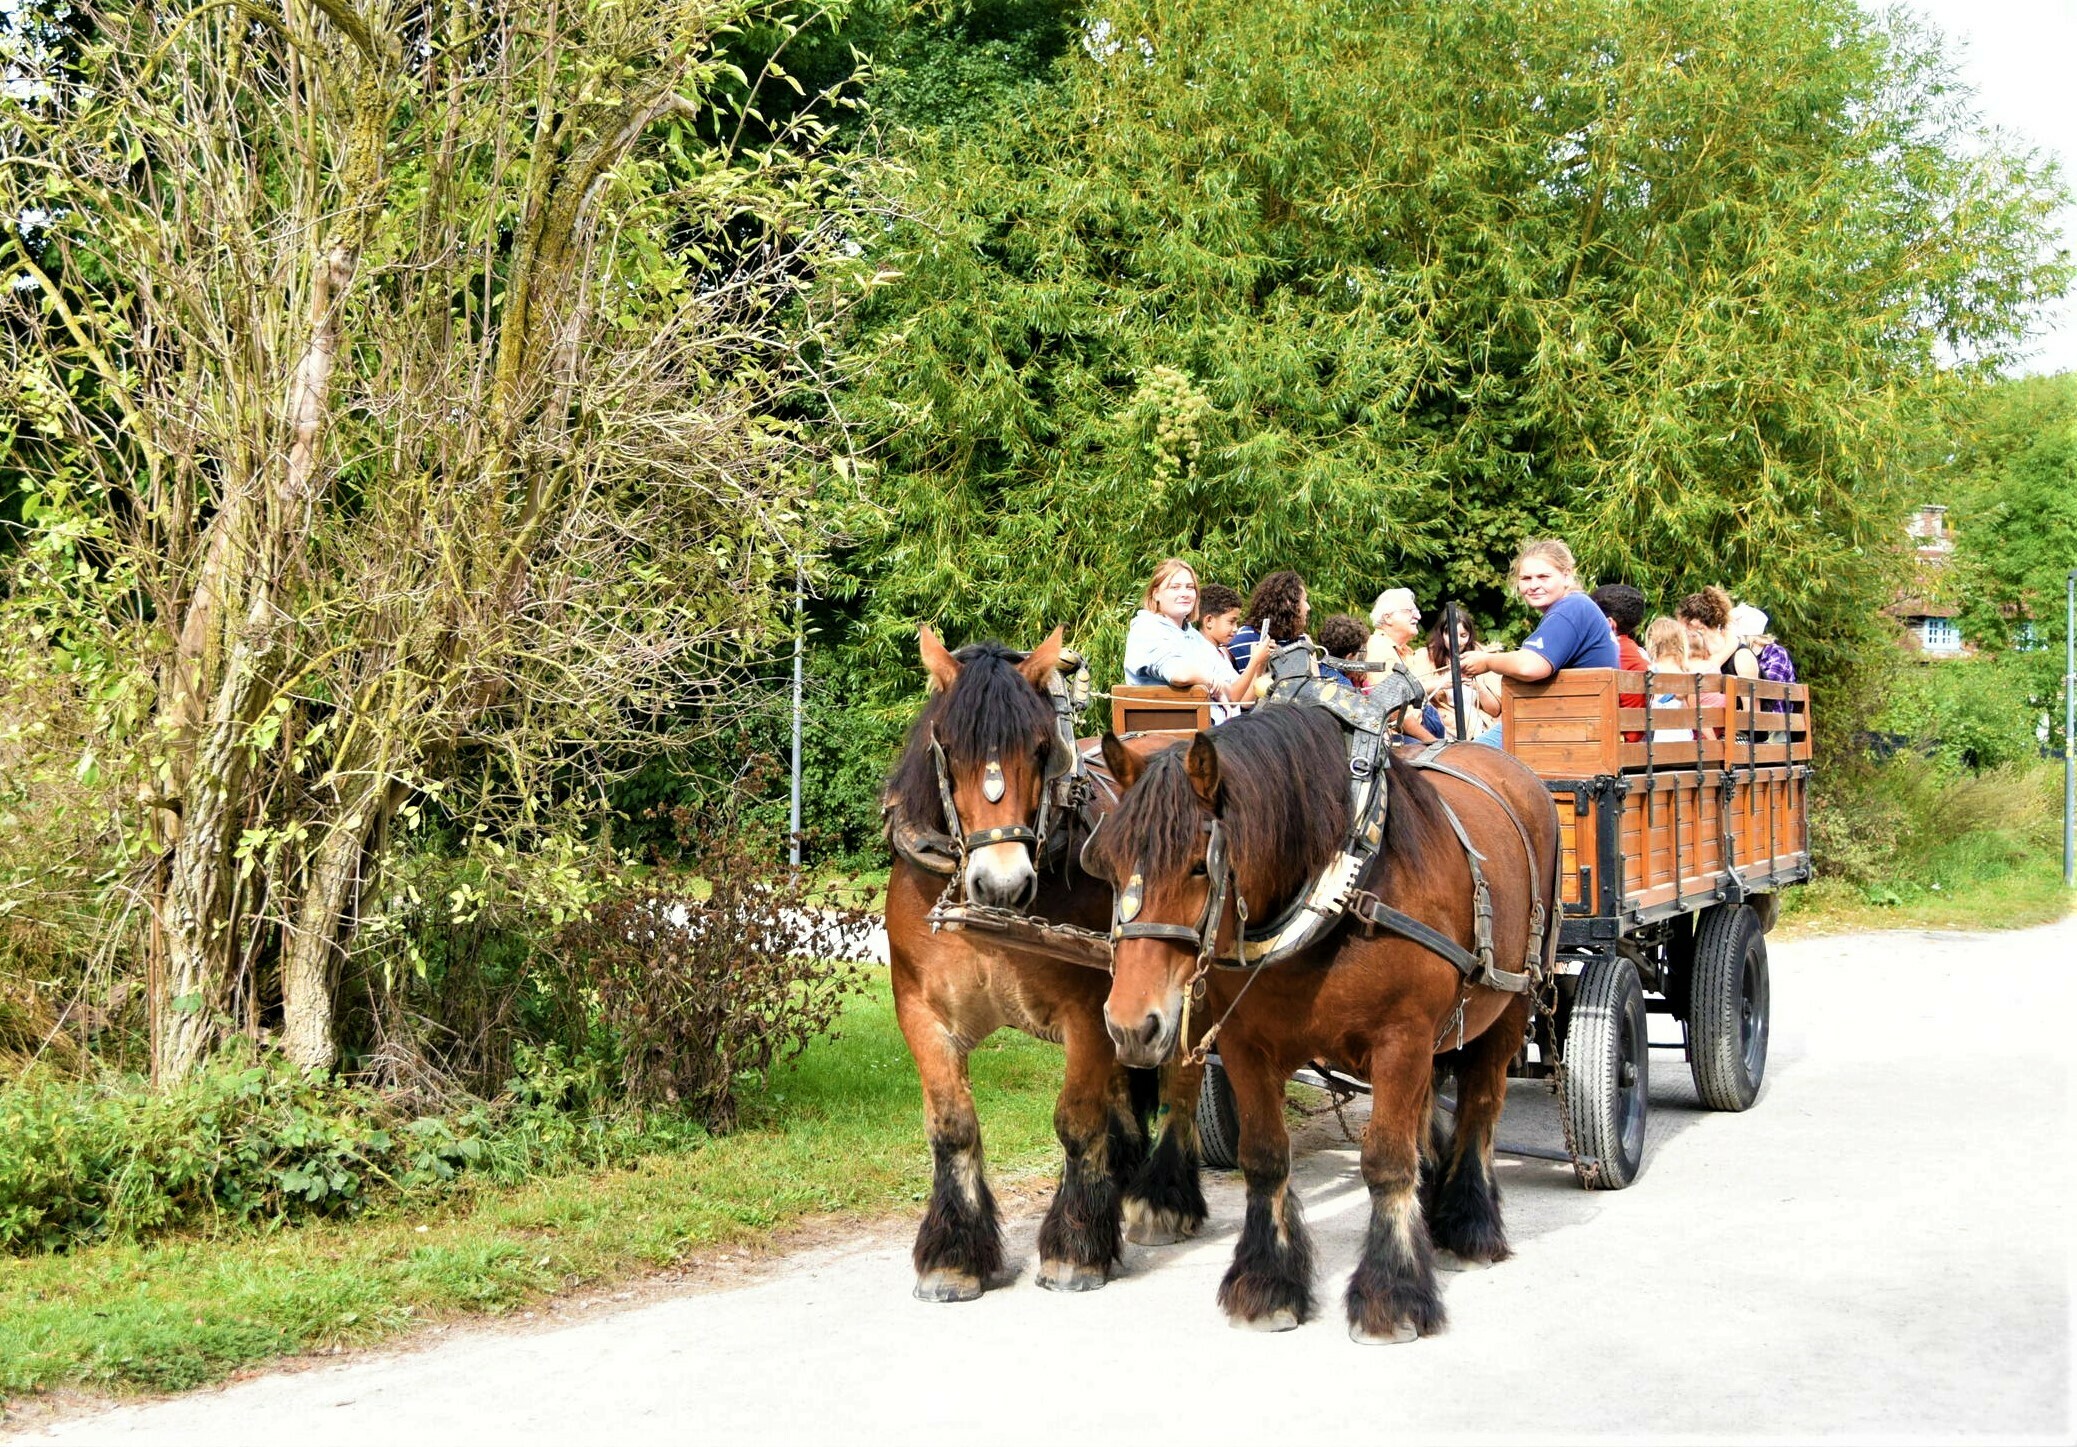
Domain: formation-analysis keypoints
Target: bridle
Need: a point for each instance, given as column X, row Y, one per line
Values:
column 1201, row 938
column 1057, row 771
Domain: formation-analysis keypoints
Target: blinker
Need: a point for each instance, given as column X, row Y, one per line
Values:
column 992, row 782
column 1130, row 898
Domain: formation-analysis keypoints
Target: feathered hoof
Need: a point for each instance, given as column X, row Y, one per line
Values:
column 1451, row 1261
column 1151, row 1226
column 1062, row 1276
column 1401, row 1333
column 947, row 1286
column 1282, row 1319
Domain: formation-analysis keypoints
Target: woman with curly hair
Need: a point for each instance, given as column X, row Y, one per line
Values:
column 1708, row 617
column 1278, row 607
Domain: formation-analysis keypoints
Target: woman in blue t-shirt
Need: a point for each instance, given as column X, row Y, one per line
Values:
column 1573, row 632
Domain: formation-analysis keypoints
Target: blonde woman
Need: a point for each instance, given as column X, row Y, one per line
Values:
column 1572, row 632
column 1163, row 645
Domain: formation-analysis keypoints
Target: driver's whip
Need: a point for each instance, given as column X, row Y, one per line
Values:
column 1450, row 613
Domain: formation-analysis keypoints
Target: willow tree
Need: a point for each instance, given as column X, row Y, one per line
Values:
column 416, row 391
column 1375, row 291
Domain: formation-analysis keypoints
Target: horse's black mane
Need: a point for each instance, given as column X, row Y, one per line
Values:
column 1285, row 776
column 991, row 710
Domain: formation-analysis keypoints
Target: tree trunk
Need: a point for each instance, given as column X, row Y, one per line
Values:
column 194, row 911
column 311, row 953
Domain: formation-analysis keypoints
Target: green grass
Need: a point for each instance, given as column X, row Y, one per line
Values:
column 840, row 1131
column 2030, row 894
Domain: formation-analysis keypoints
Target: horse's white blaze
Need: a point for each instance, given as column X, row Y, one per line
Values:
column 999, row 871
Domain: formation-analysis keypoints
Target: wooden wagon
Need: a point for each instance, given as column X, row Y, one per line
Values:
column 1683, row 810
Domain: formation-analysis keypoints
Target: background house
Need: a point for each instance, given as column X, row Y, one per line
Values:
column 1929, row 611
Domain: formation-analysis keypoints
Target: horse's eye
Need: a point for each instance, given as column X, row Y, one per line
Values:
column 1198, row 870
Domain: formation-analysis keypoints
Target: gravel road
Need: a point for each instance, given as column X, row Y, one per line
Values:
column 1878, row 1250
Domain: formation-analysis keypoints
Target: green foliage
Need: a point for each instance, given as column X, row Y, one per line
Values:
column 1418, row 281
column 1970, row 713
column 2010, row 483
column 837, row 1131
column 241, row 1142
column 1911, row 827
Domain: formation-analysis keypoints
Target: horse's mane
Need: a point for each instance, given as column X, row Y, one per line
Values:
column 991, row 710
column 1285, row 774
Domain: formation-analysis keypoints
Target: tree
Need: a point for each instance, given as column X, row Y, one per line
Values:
column 418, row 401
column 1378, row 291
column 2010, row 480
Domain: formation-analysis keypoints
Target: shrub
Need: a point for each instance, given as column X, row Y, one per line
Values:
column 249, row 1141
column 1912, row 823
column 696, row 991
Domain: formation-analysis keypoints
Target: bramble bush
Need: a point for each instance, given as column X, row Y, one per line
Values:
column 698, row 991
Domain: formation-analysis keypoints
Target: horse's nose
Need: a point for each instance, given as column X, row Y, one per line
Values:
column 1003, row 882
column 1135, row 1041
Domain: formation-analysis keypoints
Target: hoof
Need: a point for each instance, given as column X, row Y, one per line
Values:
column 1060, row 1276
column 1146, row 1226
column 947, row 1286
column 1451, row 1261
column 1401, row 1333
column 1282, row 1319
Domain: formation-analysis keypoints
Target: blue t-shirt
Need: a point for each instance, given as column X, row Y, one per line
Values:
column 1574, row 633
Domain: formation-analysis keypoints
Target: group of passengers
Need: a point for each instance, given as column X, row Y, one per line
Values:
column 1186, row 635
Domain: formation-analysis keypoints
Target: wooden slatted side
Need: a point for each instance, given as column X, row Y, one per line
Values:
column 1673, row 831
column 1564, row 727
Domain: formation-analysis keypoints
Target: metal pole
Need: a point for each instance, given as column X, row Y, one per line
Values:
column 2069, row 726
column 1450, row 614
column 793, row 813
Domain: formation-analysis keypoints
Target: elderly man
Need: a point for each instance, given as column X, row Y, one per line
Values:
column 1394, row 621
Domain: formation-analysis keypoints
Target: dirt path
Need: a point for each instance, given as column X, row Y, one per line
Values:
column 1879, row 1249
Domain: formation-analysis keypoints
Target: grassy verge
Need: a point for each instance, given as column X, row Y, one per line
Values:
column 2032, row 894
column 840, row 1131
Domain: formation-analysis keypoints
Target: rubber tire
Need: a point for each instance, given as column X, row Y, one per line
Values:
column 1218, row 1119
column 1729, row 1005
column 1607, row 1110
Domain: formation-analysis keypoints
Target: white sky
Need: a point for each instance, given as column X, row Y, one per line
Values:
column 2021, row 58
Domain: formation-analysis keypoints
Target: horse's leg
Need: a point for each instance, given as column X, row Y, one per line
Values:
column 959, row 1244
column 1464, row 1209
column 1165, row 1201
column 1392, row 1296
column 1080, row 1240
column 1269, row 1286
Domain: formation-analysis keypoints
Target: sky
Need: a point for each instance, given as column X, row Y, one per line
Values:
column 2021, row 58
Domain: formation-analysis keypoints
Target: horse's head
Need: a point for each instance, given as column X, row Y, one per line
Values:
column 987, row 745
column 1229, row 828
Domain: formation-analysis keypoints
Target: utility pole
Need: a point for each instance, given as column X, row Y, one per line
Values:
column 793, row 814
column 2069, row 725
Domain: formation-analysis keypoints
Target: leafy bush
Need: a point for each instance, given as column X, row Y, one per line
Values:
column 696, row 991
column 1976, row 713
column 1913, row 824
column 248, row 1142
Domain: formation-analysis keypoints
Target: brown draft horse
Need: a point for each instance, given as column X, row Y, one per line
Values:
column 1383, row 1007
column 994, row 728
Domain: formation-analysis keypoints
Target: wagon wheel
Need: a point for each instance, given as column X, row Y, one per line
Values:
column 1728, row 1008
column 1218, row 1119
column 1607, row 1075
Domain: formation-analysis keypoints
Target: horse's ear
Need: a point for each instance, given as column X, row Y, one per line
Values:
column 1202, row 765
column 1124, row 764
column 938, row 661
column 1042, row 660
